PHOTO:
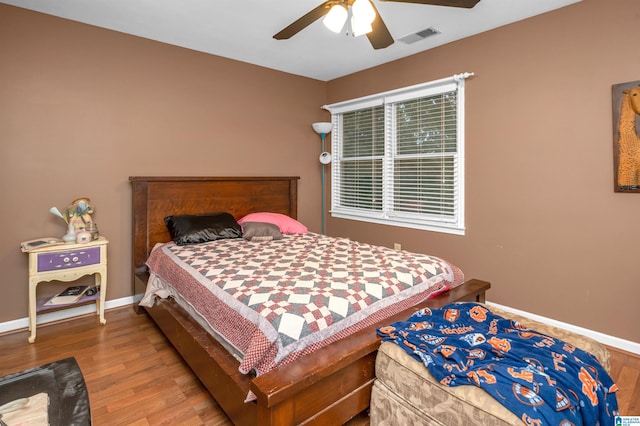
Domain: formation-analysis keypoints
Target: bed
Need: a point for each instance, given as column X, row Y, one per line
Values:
column 328, row 386
column 405, row 392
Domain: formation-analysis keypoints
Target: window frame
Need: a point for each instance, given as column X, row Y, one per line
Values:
column 454, row 224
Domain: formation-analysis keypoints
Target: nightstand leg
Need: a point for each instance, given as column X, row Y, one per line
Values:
column 101, row 281
column 32, row 310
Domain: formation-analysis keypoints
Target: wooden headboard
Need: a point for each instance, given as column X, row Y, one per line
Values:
column 155, row 197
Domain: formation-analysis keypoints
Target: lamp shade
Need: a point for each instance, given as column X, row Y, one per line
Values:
column 325, row 158
column 322, row 128
column 363, row 15
column 360, row 27
column 364, row 11
column 336, row 18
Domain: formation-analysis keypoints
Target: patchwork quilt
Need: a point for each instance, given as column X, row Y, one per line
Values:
column 543, row 380
column 275, row 301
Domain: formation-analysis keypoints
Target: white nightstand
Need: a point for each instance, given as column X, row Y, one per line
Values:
column 67, row 262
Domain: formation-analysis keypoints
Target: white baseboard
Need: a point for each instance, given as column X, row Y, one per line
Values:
column 23, row 323
column 605, row 339
column 612, row 341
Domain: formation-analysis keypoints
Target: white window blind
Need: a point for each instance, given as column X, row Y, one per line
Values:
column 398, row 157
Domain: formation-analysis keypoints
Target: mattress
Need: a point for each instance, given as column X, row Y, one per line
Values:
column 271, row 302
column 406, row 393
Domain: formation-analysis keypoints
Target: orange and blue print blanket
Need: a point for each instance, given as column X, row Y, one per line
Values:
column 543, row 380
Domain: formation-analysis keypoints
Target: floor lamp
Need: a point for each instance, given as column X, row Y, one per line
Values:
column 325, row 157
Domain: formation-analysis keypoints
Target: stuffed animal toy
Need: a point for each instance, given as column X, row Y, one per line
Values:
column 79, row 213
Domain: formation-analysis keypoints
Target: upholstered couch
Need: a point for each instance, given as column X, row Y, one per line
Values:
column 405, row 393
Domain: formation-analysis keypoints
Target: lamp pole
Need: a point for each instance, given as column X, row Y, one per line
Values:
column 325, row 158
column 322, row 136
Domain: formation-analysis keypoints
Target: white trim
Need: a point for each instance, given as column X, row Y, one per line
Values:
column 397, row 94
column 23, row 323
column 403, row 223
column 616, row 342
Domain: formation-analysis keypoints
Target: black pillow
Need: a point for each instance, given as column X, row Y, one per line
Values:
column 193, row 229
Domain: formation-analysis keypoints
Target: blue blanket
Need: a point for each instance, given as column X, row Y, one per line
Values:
column 543, row 380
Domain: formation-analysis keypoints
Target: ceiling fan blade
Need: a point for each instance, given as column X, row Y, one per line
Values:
column 468, row 4
column 379, row 37
column 304, row 21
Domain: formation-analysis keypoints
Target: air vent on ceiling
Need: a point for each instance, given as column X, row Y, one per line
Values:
column 420, row 35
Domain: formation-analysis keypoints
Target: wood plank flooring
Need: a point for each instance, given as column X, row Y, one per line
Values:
column 625, row 371
column 134, row 376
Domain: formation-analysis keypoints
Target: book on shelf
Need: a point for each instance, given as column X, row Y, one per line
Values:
column 67, row 296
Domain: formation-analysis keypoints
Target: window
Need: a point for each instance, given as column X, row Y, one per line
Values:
column 398, row 157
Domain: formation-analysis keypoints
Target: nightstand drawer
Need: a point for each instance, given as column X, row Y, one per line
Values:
column 69, row 259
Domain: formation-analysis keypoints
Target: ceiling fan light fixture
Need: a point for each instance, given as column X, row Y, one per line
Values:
column 364, row 11
column 362, row 16
column 336, row 18
column 360, row 27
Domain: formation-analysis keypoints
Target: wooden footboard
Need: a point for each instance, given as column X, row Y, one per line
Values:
column 329, row 386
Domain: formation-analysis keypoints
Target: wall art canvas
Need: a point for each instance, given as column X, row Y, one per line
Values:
column 626, row 136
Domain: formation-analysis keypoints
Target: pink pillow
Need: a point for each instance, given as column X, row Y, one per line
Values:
column 286, row 224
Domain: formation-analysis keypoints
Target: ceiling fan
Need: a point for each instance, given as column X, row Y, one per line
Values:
column 375, row 29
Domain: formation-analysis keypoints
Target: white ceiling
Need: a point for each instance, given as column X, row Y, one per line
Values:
column 244, row 29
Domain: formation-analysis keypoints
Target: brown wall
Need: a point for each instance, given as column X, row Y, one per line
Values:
column 83, row 108
column 543, row 223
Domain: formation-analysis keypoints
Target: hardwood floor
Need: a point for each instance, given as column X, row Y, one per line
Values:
column 134, row 376
column 625, row 371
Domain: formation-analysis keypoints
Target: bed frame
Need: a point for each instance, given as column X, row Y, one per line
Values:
column 329, row 386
